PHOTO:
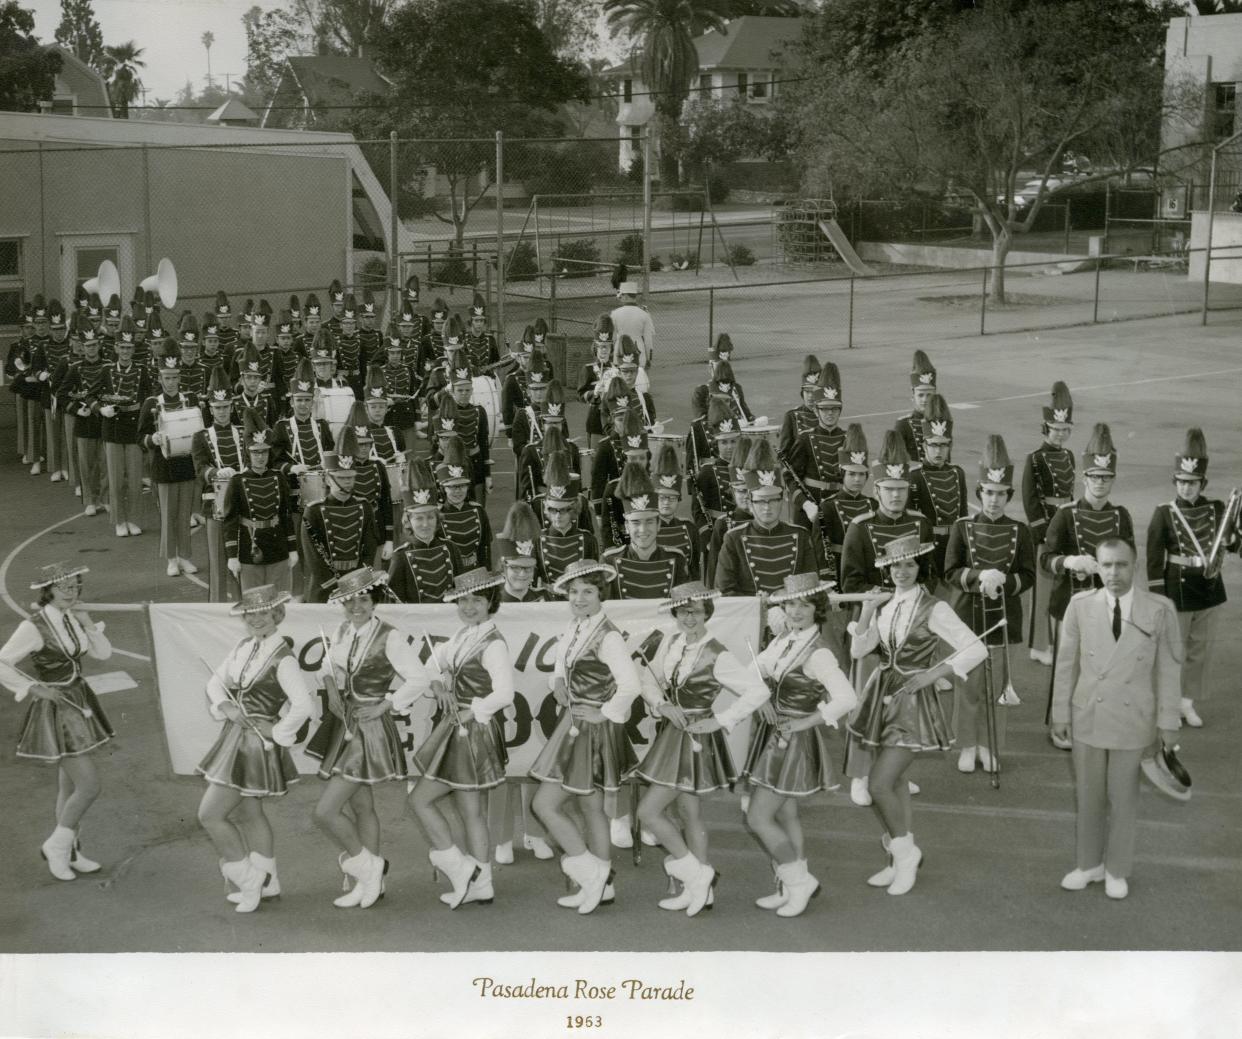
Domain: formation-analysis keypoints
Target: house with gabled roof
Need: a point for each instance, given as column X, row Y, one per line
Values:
column 314, row 91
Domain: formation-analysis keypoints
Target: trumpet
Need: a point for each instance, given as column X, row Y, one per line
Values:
column 1224, row 535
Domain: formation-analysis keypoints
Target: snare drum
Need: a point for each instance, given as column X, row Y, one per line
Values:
column 485, row 391
column 398, row 479
column 219, row 500
column 772, row 434
column 179, row 426
column 677, row 441
column 312, row 487
column 333, row 404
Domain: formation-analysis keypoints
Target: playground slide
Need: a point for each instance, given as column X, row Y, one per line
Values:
column 834, row 234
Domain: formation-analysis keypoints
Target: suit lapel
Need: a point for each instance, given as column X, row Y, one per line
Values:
column 1103, row 626
column 1132, row 632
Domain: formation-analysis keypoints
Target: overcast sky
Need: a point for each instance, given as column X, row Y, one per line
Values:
column 170, row 33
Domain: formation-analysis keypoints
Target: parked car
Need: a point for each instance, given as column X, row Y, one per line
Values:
column 1029, row 191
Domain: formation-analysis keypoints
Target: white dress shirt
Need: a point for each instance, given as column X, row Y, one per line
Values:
column 26, row 640
column 244, row 664
column 1127, row 606
column 969, row 650
column 677, row 659
column 614, row 655
column 821, row 666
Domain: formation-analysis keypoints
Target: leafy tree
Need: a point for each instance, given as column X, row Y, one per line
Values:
column 1217, row 6
column 27, row 71
column 271, row 37
column 567, row 25
column 664, row 54
column 124, row 83
column 716, row 130
column 490, row 68
column 969, row 102
column 343, row 26
column 79, row 31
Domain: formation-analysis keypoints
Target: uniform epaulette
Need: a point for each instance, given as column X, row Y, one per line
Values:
column 861, row 516
column 1067, row 505
column 915, row 512
column 1083, row 594
column 614, row 550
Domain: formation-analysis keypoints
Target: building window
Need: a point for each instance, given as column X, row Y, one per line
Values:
column 64, row 104
column 742, row 82
column 705, row 85
column 627, row 90
column 11, row 285
column 1225, row 109
column 759, row 88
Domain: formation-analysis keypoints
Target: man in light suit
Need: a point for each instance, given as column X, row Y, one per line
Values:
column 1117, row 680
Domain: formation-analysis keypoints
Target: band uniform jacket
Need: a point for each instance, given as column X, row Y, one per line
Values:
column 1175, row 559
column 266, row 364
column 978, row 544
column 193, row 383
column 681, row 535
column 910, row 429
column 388, row 445
column 1047, row 484
column 258, row 518
column 475, row 437
column 421, row 572
column 284, row 367
column 513, row 396
column 605, row 468
column 262, row 402
column 1075, row 530
column 814, row 460
column 126, row 390
column 81, row 386
column 1115, row 694
column 733, row 520
column 179, row 468
column 872, row 530
column 481, row 350
column 753, row 559
column 650, row 578
column 300, row 442
column 711, row 493
column 527, row 428
column 470, row 532
column 939, row 493
column 403, row 384
column 343, row 535
column 797, row 421
column 555, row 551
column 48, row 357
column 835, row 516
column 213, row 448
column 530, row 483
column 371, row 484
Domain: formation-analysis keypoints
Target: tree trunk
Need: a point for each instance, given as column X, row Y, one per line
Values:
column 1002, row 241
column 668, row 161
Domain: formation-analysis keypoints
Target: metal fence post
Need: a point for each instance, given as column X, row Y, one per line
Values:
column 983, row 303
column 1068, row 204
column 552, row 301
column 1207, row 254
column 500, row 236
column 474, row 261
column 1095, row 302
column 711, row 316
column 850, row 339
column 394, row 275
column 646, row 284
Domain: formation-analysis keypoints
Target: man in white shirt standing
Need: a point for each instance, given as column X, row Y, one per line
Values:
column 629, row 319
column 1117, row 680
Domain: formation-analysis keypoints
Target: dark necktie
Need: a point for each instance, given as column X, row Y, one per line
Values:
column 1116, row 619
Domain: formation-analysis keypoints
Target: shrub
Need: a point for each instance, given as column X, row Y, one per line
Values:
column 521, row 263
column 373, row 275
column 582, row 254
column 740, row 256
column 718, row 187
column 630, row 250
column 453, row 271
column 656, row 264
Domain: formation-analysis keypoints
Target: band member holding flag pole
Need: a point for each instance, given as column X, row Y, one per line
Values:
column 64, row 722
column 250, row 759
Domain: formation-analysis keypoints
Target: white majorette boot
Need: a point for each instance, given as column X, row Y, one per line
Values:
column 56, row 852
column 888, row 873
column 458, row 868
column 538, row 847
column 271, row 889
column 591, row 875
column 368, row 870
column 248, row 879
column 79, row 862
column 906, row 859
column 503, row 854
column 698, row 878
column 778, row 897
column 480, row 889
column 802, row 887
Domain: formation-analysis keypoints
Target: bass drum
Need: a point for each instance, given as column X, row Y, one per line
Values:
column 485, row 391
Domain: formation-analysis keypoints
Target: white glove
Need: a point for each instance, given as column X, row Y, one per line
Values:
column 487, row 483
column 84, row 411
column 1083, row 565
column 811, row 510
column 293, row 560
column 299, row 469
column 226, row 472
column 777, row 624
column 44, row 376
column 20, row 365
column 386, row 551
column 108, row 411
column 992, row 583
column 657, row 428
column 235, row 567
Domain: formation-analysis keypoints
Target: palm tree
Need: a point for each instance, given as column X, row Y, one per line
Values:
column 207, row 39
column 664, row 54
column 124, row 83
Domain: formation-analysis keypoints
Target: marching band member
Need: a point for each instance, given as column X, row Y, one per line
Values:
column 464, row 756
column 513, row 395
column 723, row 389
column 1047, row 484
column 675, row 533
column 423, row 568
column 348, row 345
column 713, row 474
column 613, row 532
column 530, row 483
column 388, row 447
column 323, row 359
column 285, row 364
column 218, row 455
column 1076, row 528
column 645, row 569
column 470, row 426
column 802, row 418
column 226, row 322
column 526, row 426
column 788, row 757
column 938, row 487
column 365, row 659
column 336, row 304
column 594, row 377
column 312, row 325
column 902, row 713
column 562, row 541
column 341, row 529
column 64, row 722
column 860, row 570
column 82, row 384
column 588, row 754
column 370, row 477
column 719, row 352
column 1183, row 565
column 258, row 503
column 254, row 375
column 610, row 454
column 515, row 548
column 758, row 556
column 401, row 385
column 212, row 359
column 841, row 509
column 125, row 387
column 20, row 371
column 174, row 474
column 250, row 759
column 628, row 362
column 464, row 522
column 739, row 516
column 481, row 349
column 815, row 458
column 922, row 386
column 49, row 358
column 989, row 565
column 370, row 339
column 690, row 755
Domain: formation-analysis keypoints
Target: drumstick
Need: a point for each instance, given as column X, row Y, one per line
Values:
column 461, row 728
column 246, row 722
column 86, row 712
